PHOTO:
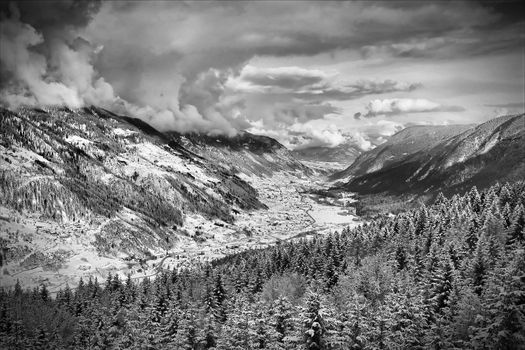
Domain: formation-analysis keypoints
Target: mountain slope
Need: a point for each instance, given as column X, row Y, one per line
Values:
column 400, row 146
column 244, row 153
column 493, row 151
column 91, row 190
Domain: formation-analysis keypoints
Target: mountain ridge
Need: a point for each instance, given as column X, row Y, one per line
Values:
column 479, row 155
column 399, row 146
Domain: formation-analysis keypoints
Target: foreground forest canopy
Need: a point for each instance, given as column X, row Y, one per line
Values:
column 446, row 276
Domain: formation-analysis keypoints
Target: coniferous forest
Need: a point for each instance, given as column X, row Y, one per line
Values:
column 450, row 275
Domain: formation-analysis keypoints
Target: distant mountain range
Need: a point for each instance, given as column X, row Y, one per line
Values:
column 428, row 159
column 344, row 153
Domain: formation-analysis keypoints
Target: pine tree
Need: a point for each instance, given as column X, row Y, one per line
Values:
column 235, row 333
column 463, row 321
column 281, row 321
column 44, row 293
column 187, row 337
column 357, row 322
column 167, row 329
column 405, row 318
column 502, row 324
column 475, row 200
column 517, row 228
column 313, row 325
column 479, row 268
column 442, row 282
column 260, row 331
column 331, row 275
column 65, row 297
column 219, row 296
column 422, row 222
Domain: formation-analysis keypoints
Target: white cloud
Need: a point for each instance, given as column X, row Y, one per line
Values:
column 302, row 135
column 360, row 140
column 278, row 79
column 397, row 106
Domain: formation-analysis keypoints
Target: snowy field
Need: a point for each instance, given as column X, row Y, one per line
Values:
column 292, row 211
column 329, row 215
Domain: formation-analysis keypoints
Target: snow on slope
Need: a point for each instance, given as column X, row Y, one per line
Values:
column 85, row 192
column 480, row 156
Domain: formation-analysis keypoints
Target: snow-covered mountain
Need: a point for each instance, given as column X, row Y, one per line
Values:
column 448, row 159
column 244, row 153
column 399, row 146
column 84, row 190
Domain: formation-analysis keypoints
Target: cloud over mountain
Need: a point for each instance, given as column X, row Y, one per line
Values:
column 52, row 65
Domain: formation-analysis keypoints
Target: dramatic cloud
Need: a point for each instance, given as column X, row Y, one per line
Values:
column 313, row 137
column 220, row 67
column 310, row 84
column 64, row 75
column 283, row 96
column 390, row 107
column 303, row 135
column 280, row 79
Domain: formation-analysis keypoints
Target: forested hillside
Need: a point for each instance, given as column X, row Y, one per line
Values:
column 447, row 276
column 400, row 146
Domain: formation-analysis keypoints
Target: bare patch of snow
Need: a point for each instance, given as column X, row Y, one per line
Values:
column 489, row 145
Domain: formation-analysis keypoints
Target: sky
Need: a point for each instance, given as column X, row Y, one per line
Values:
column 306, row 73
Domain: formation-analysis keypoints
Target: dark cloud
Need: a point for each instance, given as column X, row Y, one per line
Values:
column 362, row 88
column 508, row 105
column 461, row 44
column 311, row 85
column 483, row 27
column 284, row 77
column 45, row 60
column 195, row 37
column 284, row 96
column 50, row 15
column 509, row 11
column 300, row 112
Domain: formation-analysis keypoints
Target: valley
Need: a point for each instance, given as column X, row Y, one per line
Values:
column 292, row 213
column 87, row 193
column 65, row 257
column 107, row 194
